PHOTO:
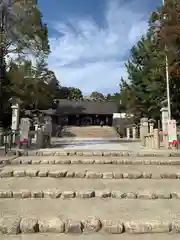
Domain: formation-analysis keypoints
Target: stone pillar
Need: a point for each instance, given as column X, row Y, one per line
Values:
column 164, row 121
column 15, row 116
column 24, row 131
column 156, row 138
column 128, row 133
column 40, row 138
column 1, row 136
column 36, row 131
column 143, row 130
column 134, row 132
column 151, row 127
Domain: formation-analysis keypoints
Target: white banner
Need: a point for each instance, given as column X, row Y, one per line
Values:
column 172, row 132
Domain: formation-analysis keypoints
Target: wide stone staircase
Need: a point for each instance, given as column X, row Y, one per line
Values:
column 90, row 132
column 98, row 195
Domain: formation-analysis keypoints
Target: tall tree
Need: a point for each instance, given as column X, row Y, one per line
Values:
column 75, row 93
column 35, row 86
column 25, row 31
column 165, row 26
column 144, row 90
column 22, row 32
column 69, row 93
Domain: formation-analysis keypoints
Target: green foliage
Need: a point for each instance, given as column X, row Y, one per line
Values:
column 35, row 86
column 75, row 93
column 25, row 31
column 165, row 26
column 97, row 96
column 114, row 97
column 145, row 88
column 69, row 93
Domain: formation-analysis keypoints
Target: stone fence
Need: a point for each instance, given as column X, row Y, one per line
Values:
column 25, row 138
column 150, row 137
column 158, row 139
column 132, row 132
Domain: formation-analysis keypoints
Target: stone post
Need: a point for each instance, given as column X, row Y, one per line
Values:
column 36, row 131
column 143, row 130
column 1, row 136
column 128, row 133
column 40, row 138
column 151, row 125
column 15, row 116
column 24, row 131
column 134, row 132
column 164, row 121
column 156, row 138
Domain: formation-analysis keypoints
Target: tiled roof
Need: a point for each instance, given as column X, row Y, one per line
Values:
column 66, row 106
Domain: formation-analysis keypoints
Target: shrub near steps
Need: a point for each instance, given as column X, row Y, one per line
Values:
column 67, row 195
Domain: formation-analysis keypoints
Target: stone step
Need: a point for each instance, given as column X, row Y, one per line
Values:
column 95, row 160
column 92, row 171
column 91, row 131
column 96, row 236
column 89, row 188
column 94, row 215
column 88, row 152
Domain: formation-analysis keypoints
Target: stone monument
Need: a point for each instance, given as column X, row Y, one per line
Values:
column 15, row 116
column 144, row 128
column 164, row 118
column 24, row 131
column 15, row 112
column 47, row 129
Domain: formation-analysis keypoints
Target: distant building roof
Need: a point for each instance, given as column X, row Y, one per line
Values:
column 71, row 107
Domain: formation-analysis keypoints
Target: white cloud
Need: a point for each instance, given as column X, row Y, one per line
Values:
column 90, row 57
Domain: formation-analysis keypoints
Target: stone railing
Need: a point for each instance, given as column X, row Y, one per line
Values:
column 132, row 132
column 39, row 138
column 158, row 139
column 152, row 139
column 9, row 137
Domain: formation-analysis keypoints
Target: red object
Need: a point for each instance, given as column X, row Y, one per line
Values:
column 174, row 142
column 24, row 141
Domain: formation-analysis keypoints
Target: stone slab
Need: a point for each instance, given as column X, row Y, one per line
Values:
column 96, row 171
column 124, row 209
column 96, row 236
column 119, row 160
column 66, row 184
column 98, row 152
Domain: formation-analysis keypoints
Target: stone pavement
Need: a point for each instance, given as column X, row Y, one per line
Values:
column 99, row 193
column 81, row 145
column 95, row 143
column 50, row 236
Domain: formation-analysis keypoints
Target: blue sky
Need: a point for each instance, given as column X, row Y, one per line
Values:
column 91, row 39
